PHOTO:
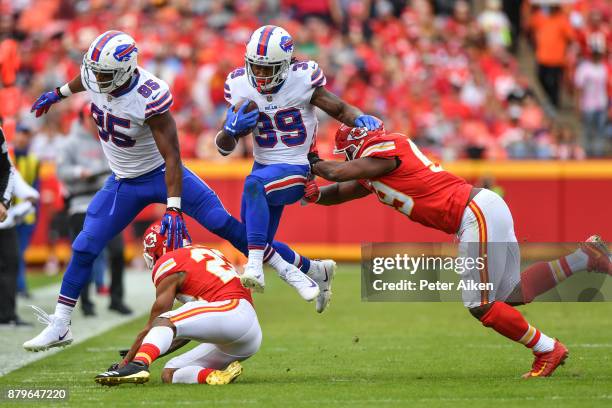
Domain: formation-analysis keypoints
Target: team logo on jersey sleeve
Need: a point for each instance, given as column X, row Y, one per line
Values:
column 286, row 43
column 124, row 52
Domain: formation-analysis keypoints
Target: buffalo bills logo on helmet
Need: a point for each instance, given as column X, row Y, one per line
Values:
column 286, row 43
column 124, row 52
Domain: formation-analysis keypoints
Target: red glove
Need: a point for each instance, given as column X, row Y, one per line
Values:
column 311, row 192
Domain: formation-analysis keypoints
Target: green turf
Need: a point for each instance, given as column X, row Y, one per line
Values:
column 362, row 354
column 36, row 279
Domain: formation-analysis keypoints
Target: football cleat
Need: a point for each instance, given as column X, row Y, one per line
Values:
column 545, row 364
column 56, row 334
column 253, row 277
column 222, row 377
column 600, row 259
column 323, row 274
column 133, row 372
column 302, row 283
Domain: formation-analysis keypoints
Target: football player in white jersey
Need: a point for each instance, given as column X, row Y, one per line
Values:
column 284, row 126
column 131, row 109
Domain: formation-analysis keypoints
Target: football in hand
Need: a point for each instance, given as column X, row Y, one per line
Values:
column 249, row 108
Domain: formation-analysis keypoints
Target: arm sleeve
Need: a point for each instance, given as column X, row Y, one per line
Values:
column 317, row 77
column 382, row 149
column 231, row 82
column 7, row 172
column 160, row 102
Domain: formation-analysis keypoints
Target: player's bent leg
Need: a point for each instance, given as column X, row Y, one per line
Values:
column 592, row 255
column 204, row 364
column 509, row 322
column 321, row 271
column 257, row 220
column 230, row 333
column 157, row 342
column 108, row 213
column 203, row 204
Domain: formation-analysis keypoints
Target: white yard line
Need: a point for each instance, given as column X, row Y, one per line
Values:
column 139, row 295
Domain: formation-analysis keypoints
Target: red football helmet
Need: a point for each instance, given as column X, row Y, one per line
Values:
column 350, row 139
column 154, row 244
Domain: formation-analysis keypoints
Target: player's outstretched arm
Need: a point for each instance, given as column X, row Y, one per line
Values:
column 359, row 169
column 164, row 132
column 44, row 101
column 164, row 300
column 336, row 193
column 342, row 111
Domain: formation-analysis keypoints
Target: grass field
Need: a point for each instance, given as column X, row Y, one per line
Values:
column 361, row 354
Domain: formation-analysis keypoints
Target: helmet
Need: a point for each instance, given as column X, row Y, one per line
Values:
column 350, row 139
column 110, row 61
column 269, row 46
column 154, row 244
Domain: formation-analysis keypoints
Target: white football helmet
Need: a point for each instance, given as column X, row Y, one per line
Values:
column 269, row 46
column 110, row 61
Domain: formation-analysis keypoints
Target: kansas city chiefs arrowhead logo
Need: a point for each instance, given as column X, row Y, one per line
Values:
column 357, row 133
column 150, row 240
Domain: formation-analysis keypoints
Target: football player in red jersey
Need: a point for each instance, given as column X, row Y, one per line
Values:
column 217, row 311
column 391, row 166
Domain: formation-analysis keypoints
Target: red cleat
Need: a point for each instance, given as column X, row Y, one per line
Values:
column 546, row 363
column 600, row 259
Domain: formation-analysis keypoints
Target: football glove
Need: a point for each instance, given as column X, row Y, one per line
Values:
column 237, row 123
column 313, row 158
column 44, row 102
column 173, row 224
column 312, row 194
column 368, row 121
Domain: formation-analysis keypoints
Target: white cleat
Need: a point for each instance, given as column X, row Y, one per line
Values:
column 56, row 334
column 323, row 274
column 305, row 286
column 253, row 278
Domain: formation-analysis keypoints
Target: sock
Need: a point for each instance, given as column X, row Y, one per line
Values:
column 292, row 257
column 156, row 342
column 256, row 256
column 543, row 276
column 64, row 308
column 275, row 260
column 191, row 375
column 510, row 323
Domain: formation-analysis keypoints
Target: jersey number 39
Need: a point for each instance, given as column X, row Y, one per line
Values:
column 287, row 125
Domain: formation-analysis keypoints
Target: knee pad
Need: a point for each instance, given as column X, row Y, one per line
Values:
column 86, row 248
column 253, row 186
column 216, row 219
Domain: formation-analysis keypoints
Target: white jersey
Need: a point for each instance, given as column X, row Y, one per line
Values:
column 126, row 139
column 287, row 122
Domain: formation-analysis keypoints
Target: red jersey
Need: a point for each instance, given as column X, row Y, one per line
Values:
column 209, row 275
column 418, row 188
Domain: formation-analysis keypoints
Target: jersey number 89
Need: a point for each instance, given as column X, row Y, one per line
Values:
column 287, row 122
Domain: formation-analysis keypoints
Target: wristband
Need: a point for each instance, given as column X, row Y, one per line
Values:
column 174, row 202
column 64, row 91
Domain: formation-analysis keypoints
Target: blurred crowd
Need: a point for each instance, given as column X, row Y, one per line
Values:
column 444, row 72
